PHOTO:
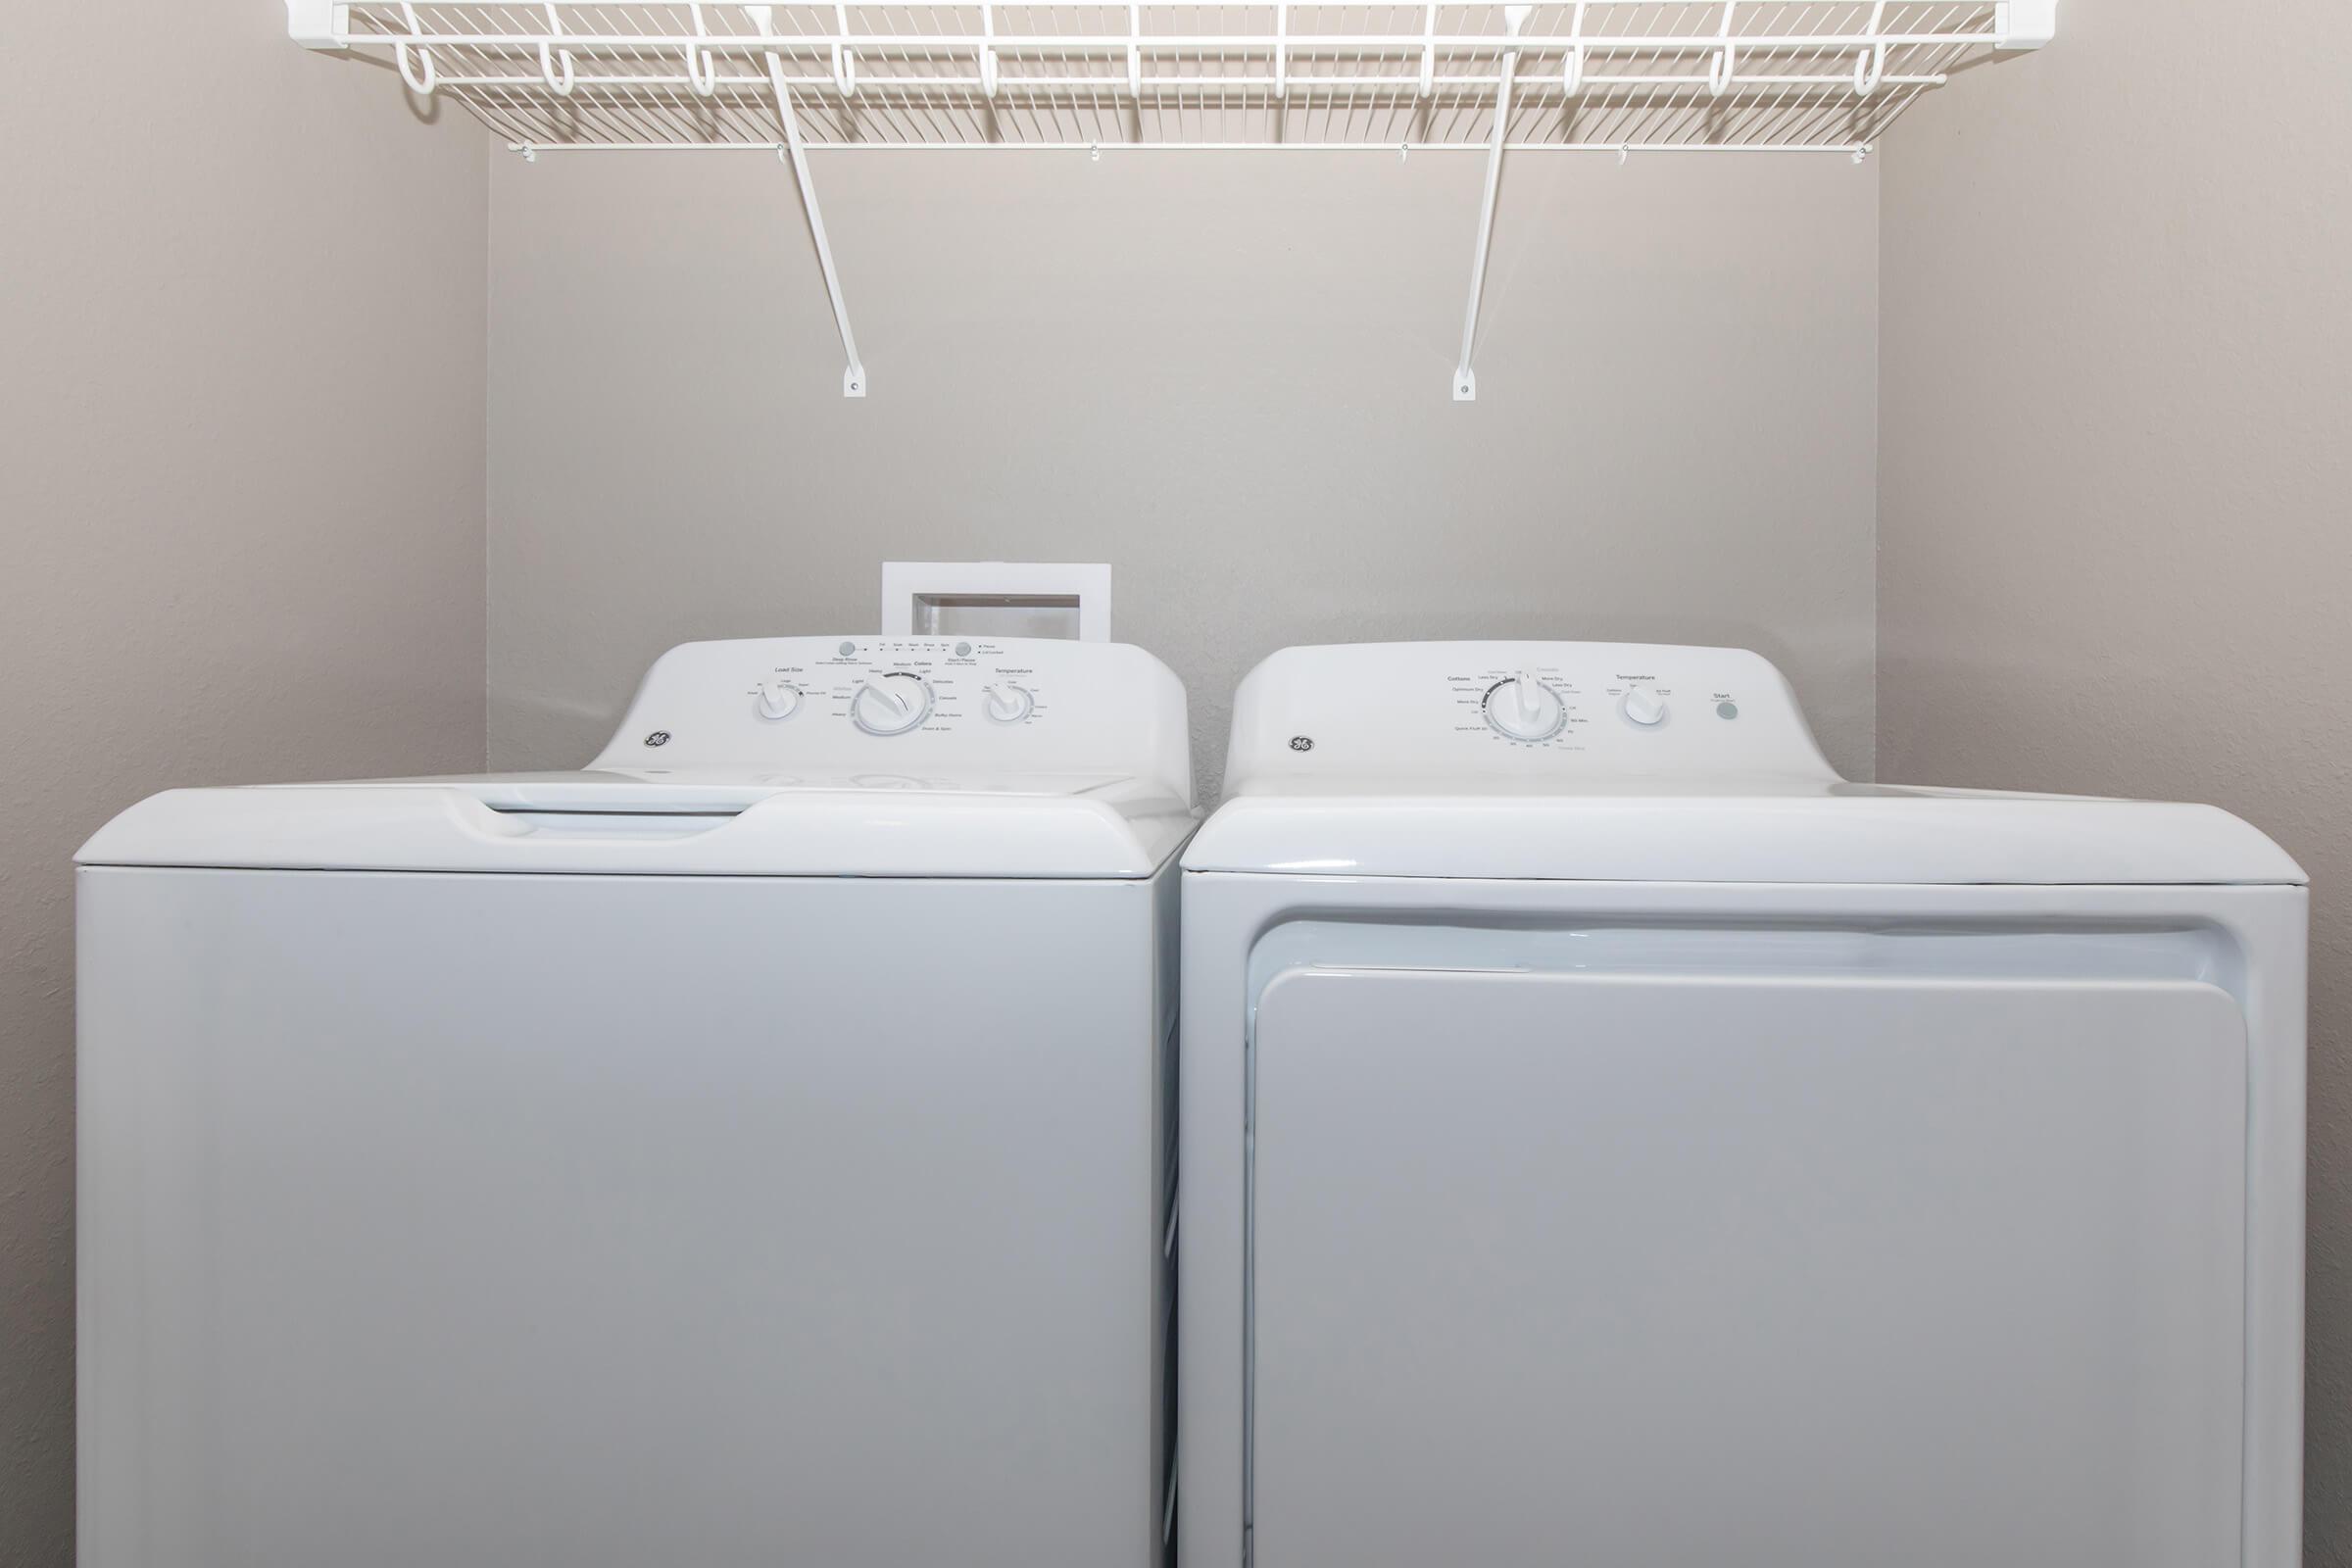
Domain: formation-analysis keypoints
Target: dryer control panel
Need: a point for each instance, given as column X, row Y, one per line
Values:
column 969, row 705
column 1515, row 710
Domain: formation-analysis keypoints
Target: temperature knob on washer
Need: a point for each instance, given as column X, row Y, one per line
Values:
column 1008, row 703
column 1642, row 706
column 1524, row 708
column 892, row 702
column 778, row 699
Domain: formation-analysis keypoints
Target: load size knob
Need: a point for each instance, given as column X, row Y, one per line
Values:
column 892, row 702
column 1524, row 708
column 778, row 699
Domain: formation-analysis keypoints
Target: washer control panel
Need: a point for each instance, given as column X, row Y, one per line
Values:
column 1009, row 704
column 898, row 686
column 1390, row 710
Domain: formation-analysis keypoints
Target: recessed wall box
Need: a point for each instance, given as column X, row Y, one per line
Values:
column 996, row 598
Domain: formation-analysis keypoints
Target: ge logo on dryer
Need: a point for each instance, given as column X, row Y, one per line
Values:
column 659, row 737
column 1302, row 743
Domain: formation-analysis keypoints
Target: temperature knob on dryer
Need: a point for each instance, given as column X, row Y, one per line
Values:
column 778, row 699
column 1008, row 703
column 891, row 703
column 1524, row 708
column 1642, row 706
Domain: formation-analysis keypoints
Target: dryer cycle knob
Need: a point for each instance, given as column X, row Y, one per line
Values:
column 1642, row 706
column 891, row 703
column 1008, row 703
column 1524, row 708
column 778, row 699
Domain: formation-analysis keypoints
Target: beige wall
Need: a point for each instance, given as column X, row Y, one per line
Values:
column 1228, row 376
column 2115, row 534
column 241, row 431
column 242, row 494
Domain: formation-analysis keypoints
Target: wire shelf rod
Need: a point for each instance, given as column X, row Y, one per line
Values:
column 1401, row 44
column 1389, row 149
column 757, row 86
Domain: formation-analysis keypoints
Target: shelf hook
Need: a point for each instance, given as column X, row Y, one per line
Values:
column 1572, row 74
column 1429, row 50
column 845, row 64
column 421, row 85
column 1135, row 51
column 988, row 54
column 1870, row 63
column 1281, row 49
column 701, row 65
column 1725, row 64
column 559, row 85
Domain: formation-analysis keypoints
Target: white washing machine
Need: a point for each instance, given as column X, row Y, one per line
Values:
column 749, row 1151
column 1611, row 1138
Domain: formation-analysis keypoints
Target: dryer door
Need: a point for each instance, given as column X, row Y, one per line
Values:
column 1673, row 1270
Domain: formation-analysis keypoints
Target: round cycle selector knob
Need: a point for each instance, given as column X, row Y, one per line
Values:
column 1524, row 708
column 891, row 703
column 1642, row 706
column 1008, row 703
column 778, row 699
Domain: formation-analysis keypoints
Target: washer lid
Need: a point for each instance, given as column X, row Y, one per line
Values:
column 1727, row 830
column 648, row 822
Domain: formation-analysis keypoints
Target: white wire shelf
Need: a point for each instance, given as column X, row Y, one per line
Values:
column 1620, row 76
column 1609, row 75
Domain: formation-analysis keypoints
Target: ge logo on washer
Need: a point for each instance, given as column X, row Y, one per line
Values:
column 659, row 737
column 1302, row 743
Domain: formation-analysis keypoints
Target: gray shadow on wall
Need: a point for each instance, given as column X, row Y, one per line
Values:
column 424, row 111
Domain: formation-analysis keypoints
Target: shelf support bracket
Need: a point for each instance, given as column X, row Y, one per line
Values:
column 794, row 152
column 1465, row 380
column 2026, row 24
column 318, row 23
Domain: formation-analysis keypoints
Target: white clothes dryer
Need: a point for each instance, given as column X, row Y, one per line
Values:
column 1609, row 1137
